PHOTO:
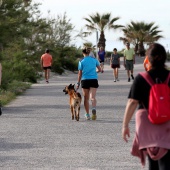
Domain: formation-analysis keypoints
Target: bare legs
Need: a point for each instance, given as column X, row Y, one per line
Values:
column 128, row 74
column 115, row 73
column 89, row 93
column 47, row 74
column 102, row 67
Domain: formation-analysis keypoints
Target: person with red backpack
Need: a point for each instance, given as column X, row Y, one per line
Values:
column 150, row 91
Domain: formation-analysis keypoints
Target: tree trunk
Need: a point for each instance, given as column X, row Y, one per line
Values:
column 102, row 40
column 141, row 49
column 26, row 2
column 136, row 48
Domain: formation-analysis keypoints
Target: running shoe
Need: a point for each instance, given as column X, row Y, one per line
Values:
column 132, row 77
column 87, row 116
column 94, row 116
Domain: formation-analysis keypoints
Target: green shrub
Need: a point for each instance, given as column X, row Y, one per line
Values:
column 14, row 88
column 70, row 64
column 20, row 71
column 57, row 68
column 6, row 97
column 18, row 87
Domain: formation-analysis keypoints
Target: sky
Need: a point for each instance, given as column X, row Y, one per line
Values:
column 157, row 11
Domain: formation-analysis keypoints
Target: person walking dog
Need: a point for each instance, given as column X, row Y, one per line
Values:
column 88, row 78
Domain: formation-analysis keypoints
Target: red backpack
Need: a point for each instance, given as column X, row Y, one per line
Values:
column 159, row 100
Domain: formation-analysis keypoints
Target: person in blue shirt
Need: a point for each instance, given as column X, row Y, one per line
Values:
column 88, row 77
column 101, row 57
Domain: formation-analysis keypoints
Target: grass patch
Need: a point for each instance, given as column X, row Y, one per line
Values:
column 14, row 89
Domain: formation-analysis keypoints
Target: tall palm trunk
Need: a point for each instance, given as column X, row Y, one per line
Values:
column 102, row 40
column 141, row 49
column 136, row 48
column 26, row 2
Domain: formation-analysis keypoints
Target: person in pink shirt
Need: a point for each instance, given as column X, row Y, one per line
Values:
column 151, row 140
column 46, row 62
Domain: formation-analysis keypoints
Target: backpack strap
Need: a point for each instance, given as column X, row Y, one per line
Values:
column 167, row 79
column 147, row 77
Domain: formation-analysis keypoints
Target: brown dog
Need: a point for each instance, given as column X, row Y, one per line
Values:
column 75, row 101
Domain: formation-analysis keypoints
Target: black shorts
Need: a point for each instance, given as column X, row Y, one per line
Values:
column 115, row 66
column 102, row 61
column 86, row 84
column 45, row 68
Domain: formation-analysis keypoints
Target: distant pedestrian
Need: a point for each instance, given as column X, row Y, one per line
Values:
column 46, row 62
column 88, row 78
column 101, row 57
column 115, row 64
column 129, row 61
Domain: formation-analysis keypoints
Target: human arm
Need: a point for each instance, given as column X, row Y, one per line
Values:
column 129, row 111
column 111, row 59
column 124, row 61
column 51, row 60
column 99, row 69
column 98, row 66
column 133, row 53
column 98, row 57
column 79, row 78
column 119, row 61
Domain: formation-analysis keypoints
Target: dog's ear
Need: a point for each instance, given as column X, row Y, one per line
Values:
column 70, row 86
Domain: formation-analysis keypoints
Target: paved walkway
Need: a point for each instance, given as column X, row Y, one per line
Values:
column 37, row 133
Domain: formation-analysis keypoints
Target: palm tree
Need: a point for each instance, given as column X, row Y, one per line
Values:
column 97, row 22
column 140, row 33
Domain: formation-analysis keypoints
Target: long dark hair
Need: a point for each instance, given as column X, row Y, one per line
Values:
column 157, row 55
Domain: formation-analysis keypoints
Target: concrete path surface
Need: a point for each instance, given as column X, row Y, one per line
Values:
column 37, row 133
